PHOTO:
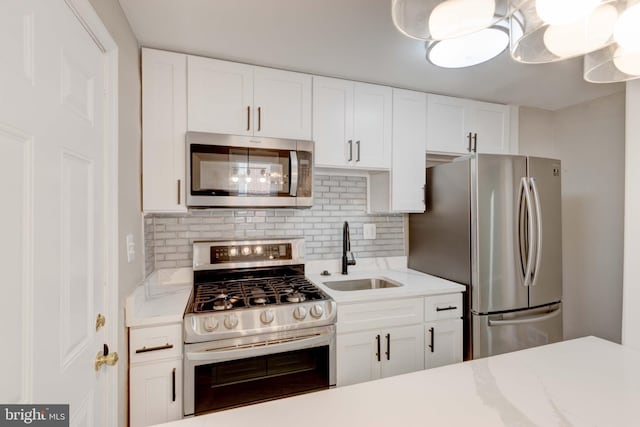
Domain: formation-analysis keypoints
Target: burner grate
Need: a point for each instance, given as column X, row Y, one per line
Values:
column 245, row 293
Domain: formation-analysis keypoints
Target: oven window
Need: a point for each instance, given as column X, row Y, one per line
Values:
column 257, row 379
column 236, row 171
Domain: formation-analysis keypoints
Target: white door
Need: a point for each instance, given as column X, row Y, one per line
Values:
column 408, row 156
column 491, row 123
column 156, row 389
column 220, row 96
column 164, row 124
column 282, row 104
column 333, row 121
column 443, row 343
column 402, row 350
column 54, row 226
column 357, row 357
column 372, row 125
column 447, row 124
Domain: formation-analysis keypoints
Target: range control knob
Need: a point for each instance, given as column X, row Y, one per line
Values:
column 231, row 321
column 267, row 316
column 210, row 324
column 317, row 311
column 300, row 313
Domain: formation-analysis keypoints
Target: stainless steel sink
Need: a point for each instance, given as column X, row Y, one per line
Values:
column 362, row 284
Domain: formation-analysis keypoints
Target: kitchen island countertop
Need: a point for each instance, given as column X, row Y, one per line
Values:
column 582, row 382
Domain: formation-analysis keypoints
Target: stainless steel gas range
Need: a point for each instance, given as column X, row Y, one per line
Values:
column 255, row 328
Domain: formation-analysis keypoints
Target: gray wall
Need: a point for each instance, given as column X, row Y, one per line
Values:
column 129, row 216
column 337, row 199
column 589, row 139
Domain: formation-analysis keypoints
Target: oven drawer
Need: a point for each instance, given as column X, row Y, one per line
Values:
column 154, row 343
column 440, row 307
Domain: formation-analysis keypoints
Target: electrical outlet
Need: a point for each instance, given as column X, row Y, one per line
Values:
column 131, row 248
column 369, row 231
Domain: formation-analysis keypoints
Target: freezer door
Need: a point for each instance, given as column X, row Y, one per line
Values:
column 502, row 333
column 546, row 279
column 496, row 198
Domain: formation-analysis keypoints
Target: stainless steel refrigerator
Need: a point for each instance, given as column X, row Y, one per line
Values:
column 493, row 223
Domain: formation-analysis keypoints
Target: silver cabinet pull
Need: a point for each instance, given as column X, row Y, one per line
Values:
column 357, row 150
column 248, row 117
column 350, row 142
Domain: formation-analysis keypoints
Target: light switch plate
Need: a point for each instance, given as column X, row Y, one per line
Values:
column 369, row 231
column 131, row 248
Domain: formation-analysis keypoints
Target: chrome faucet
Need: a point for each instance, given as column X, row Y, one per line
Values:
column 346, row 249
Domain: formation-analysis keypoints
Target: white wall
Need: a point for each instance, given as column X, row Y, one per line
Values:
column 129, row 215
column 631, row 312
column 589, row 140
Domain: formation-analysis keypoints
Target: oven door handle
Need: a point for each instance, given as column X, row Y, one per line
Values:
column 293, row 187
column 257, row 349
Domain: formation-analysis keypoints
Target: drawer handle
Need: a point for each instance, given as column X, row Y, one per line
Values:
column 446, row 308
column 432, row 346
column 378, row 347
column 148, row 349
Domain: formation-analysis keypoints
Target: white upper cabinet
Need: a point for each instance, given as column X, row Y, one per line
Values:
column 351, row 124
column 240, row 99
column 460, row 126
column 282, row 104
column 164, row 123
column 220, row 96
column 408, row 151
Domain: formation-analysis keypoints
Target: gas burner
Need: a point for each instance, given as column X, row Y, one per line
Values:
column 221, row 295
column 222, row 304
column 296, row 297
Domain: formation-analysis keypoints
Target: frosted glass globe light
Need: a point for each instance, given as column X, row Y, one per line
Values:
column 455, row 18
column 468, row 50
column 627, row 31
column 627, row 62
column 560, row 12
column 583, row 36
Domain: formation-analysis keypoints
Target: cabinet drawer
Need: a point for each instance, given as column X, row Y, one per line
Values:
column 379, row 314
column 156, row 342
column 440, row 307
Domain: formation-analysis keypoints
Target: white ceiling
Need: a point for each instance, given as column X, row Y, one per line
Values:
column 352, row 39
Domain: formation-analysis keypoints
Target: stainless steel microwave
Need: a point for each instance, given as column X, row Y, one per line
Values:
column 245, row 171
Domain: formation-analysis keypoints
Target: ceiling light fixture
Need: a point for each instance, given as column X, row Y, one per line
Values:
column 470, row 49
column 462, row 33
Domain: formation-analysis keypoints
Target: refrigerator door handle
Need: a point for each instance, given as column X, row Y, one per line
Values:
column 536, row 197
column 527, row 319
column 524, row 187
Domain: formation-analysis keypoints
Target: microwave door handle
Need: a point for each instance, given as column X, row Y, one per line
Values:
column 293, row 162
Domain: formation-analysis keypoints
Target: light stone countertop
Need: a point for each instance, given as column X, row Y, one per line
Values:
column 414, row 283
column 160, row 299
column 583, row 382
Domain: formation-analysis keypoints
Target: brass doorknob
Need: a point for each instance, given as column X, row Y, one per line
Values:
column 109, row 359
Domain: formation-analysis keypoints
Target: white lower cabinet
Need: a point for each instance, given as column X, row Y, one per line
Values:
column 155, row 374
column 156, row 393
column 443, row 343
column 369, row 355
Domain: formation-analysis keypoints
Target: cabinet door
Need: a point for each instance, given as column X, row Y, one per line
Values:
column 402, row 350
column 448, row 124
column 408, row 151
column 155, row 393
column 220, row 96
column 356, row 357
column 282, row 104
column 372, row 126
column 491, row 123
column 164, row 123
column 332, row 121
column 443, row 343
